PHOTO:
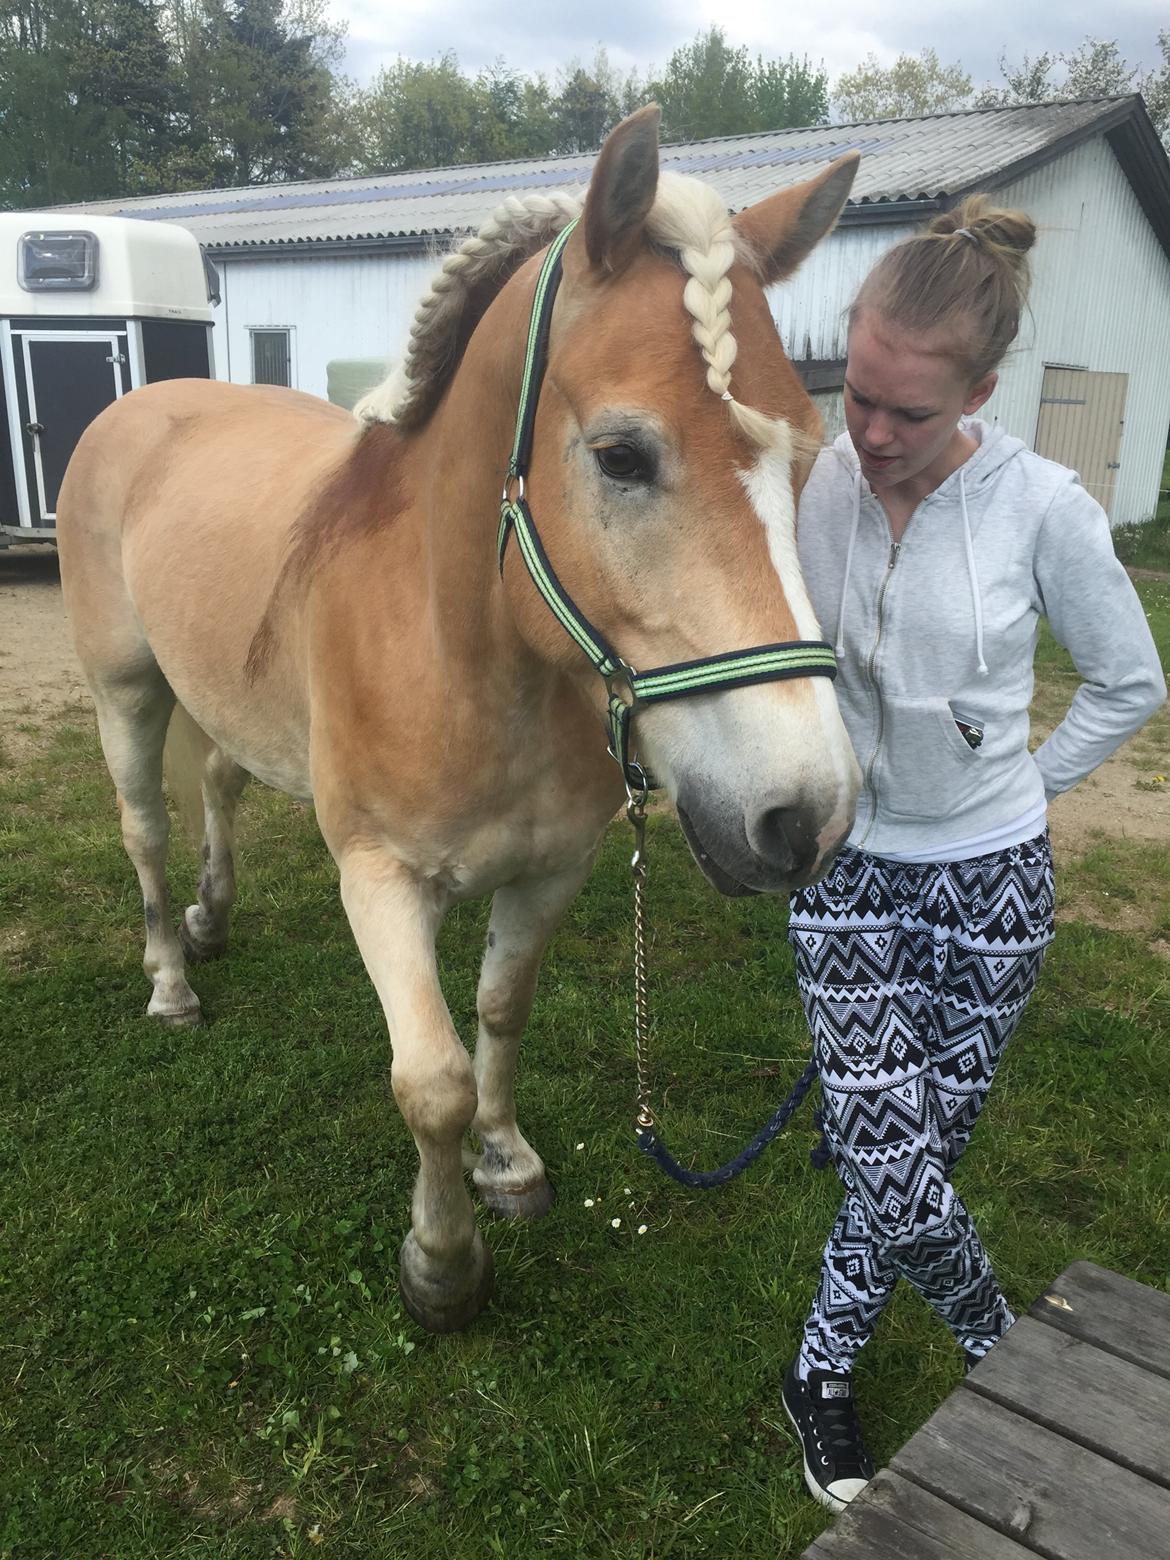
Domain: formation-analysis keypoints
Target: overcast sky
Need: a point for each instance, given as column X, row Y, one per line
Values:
column 541, row 35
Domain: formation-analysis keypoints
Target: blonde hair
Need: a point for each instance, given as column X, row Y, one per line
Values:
column 687, row 218
column 967, row 272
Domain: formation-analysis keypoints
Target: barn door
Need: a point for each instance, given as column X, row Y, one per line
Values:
column 1081, row 418
column 69, row 379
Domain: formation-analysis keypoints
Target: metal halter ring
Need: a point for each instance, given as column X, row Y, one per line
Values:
column 619, row 684
column 506, row 496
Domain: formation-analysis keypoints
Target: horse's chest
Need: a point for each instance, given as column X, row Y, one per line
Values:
column 528, row 842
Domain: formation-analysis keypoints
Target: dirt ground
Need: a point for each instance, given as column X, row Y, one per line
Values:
column 39, row 676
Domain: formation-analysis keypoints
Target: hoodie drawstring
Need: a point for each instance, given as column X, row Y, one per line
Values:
column 972, row 576
column 839, row 647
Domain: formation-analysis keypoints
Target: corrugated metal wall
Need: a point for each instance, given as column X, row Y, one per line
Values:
column 1101, row 301
column 351, row 306
column 809, row 309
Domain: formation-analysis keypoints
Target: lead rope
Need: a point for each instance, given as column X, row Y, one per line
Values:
column 644, row 1126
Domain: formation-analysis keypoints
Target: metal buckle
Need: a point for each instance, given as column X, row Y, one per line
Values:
column 619, row 684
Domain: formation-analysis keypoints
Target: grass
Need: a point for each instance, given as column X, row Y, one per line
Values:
column 1147, row 545
column 202, row 1351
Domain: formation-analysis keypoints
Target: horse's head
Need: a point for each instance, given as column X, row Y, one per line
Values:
column 672, row 438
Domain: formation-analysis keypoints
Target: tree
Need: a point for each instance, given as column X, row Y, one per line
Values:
column 1094, row 69
column 910, row 86
column 1156, row 90
column 788, row 93
column 417, row 116
column 705, row 90
column 589, row 101
column 85, row 104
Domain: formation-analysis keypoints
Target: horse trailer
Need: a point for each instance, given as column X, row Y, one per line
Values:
column 89, row 310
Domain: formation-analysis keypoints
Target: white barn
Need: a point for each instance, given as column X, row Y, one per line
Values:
column 322, row 273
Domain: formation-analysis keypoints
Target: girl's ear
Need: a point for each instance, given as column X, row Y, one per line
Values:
column 980, row 391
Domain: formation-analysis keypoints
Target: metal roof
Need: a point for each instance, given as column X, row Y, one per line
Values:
column 924, row 162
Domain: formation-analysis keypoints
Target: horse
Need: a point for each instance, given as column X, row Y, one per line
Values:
column 319, row 601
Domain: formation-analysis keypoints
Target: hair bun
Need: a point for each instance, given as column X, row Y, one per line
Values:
column 996, row 229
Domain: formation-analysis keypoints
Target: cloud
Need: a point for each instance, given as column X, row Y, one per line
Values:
column 534, row 35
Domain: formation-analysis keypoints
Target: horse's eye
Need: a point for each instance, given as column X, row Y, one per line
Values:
column 623, row 462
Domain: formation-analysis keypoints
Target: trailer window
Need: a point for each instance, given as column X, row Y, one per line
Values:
column 58, row 262
column 271, row 357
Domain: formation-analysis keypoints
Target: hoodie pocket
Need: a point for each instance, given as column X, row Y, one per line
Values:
column 928, row 770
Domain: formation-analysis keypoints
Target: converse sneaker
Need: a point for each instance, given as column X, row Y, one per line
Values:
column 836, row 1464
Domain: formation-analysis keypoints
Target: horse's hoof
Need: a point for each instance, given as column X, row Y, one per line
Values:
column 429, row 1295
column 531, row 1203
column 190, row 1019
column 198, row 952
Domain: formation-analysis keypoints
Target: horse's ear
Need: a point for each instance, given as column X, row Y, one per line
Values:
column 782, row 229
column 622, row 190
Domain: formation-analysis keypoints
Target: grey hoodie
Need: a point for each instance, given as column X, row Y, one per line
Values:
column 936, row 635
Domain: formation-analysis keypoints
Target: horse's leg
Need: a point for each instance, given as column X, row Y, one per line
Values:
column 445, row 1270
column 203, row 930
column 133, row 711
column 509, row 1175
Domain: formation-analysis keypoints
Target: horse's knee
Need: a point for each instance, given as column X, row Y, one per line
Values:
column 436, row 1094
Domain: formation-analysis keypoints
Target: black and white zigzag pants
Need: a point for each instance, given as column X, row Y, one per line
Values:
column 913, row 979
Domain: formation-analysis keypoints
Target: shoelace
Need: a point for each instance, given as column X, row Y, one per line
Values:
column 841, row 1432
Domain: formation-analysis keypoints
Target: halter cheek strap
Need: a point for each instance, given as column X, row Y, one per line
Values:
column 628, row 690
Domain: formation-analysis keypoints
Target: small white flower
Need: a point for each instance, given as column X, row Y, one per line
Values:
column 626, row 1190
column 580, row 1146
column 642, row 1228
column 588, row 1202
column 631, row 1205
column 615, row 1224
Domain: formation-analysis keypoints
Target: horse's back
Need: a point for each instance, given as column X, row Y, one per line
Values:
column 173, row 527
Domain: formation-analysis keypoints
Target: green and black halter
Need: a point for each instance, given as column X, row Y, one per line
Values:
column 628, row 690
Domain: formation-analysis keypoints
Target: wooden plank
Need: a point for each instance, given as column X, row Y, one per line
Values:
column 1083, row 1393
column 1118, row 1314
column 895, row 1520
column 1066, row 1502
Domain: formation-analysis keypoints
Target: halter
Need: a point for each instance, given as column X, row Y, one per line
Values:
column 628, row 690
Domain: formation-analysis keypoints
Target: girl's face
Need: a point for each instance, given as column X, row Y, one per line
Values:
column 904, row 395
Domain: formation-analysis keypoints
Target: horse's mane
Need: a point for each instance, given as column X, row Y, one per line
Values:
column 688, row 220
column 457, row 300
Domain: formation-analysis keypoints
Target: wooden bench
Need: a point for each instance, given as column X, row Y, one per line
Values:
column 1057, row 1444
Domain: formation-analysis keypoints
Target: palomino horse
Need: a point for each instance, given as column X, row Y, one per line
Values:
column 319, row 604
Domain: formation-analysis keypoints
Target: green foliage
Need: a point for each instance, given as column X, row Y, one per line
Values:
column 710, row 88
column 1146, row 544
column 911, row 85
column 100, row 98
column 1096, row 68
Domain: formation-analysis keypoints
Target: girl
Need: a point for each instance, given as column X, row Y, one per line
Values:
column 932, row 544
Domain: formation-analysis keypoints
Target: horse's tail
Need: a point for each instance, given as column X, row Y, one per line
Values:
column 185, row 756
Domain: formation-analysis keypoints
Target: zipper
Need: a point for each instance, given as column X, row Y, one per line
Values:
column 895, row 549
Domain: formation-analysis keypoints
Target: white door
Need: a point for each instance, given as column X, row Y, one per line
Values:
column 1082, row 415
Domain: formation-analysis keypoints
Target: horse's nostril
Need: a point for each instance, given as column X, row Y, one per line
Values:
column 788, row 836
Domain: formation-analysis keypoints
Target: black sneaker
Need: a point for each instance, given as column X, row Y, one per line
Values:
column 836, row 1464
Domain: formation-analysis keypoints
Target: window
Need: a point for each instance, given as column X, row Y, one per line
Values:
column 271, row 357
column 58, row 262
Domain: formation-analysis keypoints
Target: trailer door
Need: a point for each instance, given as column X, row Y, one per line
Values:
column 69, row 378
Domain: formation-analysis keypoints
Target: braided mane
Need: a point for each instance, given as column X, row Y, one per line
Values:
column 469, row 279
column 688, row 218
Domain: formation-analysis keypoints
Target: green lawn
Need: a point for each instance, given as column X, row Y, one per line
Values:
column 1147, row 545
column 202, row 1351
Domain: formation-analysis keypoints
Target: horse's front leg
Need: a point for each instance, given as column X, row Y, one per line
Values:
column 445, row 1270
column 509, row 1174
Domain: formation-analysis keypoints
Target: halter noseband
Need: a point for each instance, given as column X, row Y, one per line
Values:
column 628, row 690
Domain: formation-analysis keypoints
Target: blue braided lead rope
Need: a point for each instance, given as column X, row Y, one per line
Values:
column 705, row 1180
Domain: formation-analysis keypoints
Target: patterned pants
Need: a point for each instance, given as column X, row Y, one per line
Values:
column 913, row 979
